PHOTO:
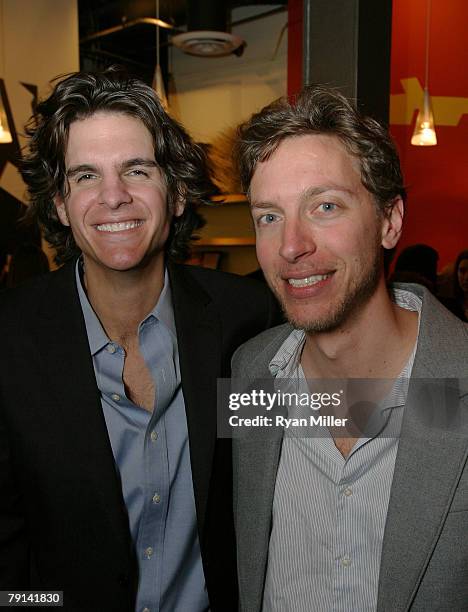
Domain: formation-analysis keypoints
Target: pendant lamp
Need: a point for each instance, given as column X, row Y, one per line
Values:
column 424, row 131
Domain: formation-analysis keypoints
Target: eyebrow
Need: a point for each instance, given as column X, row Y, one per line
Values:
column 129, row 163
column 310, row 192
column 80, row 168
column 139, row 161
column 260, row 205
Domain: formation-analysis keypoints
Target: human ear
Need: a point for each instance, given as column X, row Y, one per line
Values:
column 392, row 225
column 61, row 210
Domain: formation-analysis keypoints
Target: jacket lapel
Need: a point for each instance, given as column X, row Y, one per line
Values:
column 253, row 503
column 199, row 341
column 256, row 458
column 76, row 419
column 431, row 454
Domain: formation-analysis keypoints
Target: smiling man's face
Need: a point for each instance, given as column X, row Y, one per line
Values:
column 117, row 202
column 319, row 233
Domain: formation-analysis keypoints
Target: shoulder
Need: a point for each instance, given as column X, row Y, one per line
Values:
column 23, row 296
column 443, row 338
column 235, row 296
column 214, row 280
column 254, row 356
column 36, row 293
column 455, row 306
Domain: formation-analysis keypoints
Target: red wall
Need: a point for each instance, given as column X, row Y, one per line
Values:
column 294, row 46
column 437, row 177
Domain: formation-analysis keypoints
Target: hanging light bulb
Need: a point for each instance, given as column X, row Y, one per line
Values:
column 5, row 134
column 158, row 86
column 424, row 130
column 158, row 81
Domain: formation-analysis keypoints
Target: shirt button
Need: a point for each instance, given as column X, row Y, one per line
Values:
column 156, row 498
column 346, row 561
column 111, row 348
column 154, row 436
column 348, row 491
column 148, row 552
column 146, row 610
column 115, row 397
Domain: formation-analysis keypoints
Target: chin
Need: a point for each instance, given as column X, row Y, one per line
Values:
column 120, row 263
column 121, row 260
column 313, row 323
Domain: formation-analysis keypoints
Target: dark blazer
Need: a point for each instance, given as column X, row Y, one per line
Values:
column 63, row 521
column 424, row 564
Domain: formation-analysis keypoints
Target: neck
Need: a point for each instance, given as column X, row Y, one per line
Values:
column 374, row 343
column 122, row 299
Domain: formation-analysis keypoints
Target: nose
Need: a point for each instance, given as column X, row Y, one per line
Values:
column 297, row 240
column 114, row 192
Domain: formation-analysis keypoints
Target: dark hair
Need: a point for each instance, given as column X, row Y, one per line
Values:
column 80, row 95
column 457, row 290
column 322, row 110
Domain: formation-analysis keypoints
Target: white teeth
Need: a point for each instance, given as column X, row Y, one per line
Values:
column 309, row 280
column 118, row 227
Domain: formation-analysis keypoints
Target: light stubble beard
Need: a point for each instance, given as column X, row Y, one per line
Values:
column 350, row 304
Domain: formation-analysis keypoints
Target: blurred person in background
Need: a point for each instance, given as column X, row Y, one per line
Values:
column 458, row 304
column 417, row 264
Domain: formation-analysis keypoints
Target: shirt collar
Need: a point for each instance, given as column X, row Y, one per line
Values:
column 163, row 311
column 287, row 359
column 288, row 356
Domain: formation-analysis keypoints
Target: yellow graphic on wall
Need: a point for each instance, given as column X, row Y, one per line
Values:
column 447, row 110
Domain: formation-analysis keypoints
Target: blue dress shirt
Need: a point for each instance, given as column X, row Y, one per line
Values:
column 151, row 452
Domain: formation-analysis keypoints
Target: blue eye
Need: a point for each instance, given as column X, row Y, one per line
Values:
column 328, row 207
column 267, row 219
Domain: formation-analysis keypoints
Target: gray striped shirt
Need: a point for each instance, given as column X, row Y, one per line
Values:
column 329, row 512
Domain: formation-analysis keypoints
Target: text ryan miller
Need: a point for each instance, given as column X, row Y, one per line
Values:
column 281, row 421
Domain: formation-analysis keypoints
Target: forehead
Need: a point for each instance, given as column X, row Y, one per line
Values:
column 302, row 162
column 110, row 134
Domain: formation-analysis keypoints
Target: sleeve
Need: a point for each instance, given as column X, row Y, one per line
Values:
column 14, row 546
column 238, row 363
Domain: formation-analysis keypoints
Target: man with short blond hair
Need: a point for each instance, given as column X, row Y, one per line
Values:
column 347, row 518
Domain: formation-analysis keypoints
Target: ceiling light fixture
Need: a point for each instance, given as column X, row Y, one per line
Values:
column 207, row 43
column 207, row 34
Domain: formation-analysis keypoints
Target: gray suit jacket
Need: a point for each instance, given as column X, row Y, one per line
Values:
column 424, row 565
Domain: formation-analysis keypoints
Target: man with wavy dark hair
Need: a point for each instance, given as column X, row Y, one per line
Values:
column 359, row 503
column 81, row 96
column 113, row 487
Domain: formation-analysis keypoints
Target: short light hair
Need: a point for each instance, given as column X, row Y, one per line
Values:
column 322, row 110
